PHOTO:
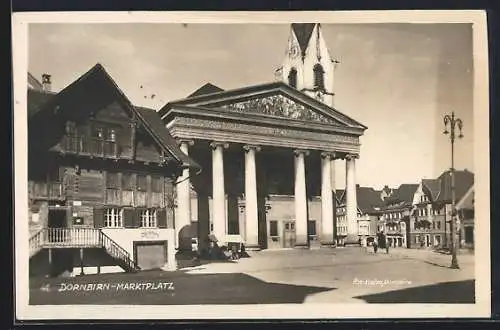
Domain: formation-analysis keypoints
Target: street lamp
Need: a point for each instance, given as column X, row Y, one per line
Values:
column 451, row 122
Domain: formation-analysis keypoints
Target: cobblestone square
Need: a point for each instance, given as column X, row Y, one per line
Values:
column 342, row 275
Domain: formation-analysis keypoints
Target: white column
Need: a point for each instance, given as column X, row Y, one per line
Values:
column 351, row 201
column 327, row 221
column 301, row 239
column 183, row 218
column 218, row 190
column 332, row 171
column 334, row 187
column 251, row 210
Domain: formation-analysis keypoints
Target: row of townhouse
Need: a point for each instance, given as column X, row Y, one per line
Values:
column 414, row 215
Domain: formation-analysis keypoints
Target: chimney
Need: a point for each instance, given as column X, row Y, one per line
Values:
column 46, row 82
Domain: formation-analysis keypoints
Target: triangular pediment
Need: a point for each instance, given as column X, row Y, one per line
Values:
column 276, row 100
column 277, row 105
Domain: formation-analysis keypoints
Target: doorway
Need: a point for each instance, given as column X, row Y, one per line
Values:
column 150, row 254
column 469, row 235
column 288, row 234
column 437, row 240
column 427, row 240
column 56, row 222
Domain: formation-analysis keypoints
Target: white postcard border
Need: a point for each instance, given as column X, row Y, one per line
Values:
column 283, row 311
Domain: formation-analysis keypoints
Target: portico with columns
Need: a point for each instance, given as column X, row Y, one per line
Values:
column 267, row 154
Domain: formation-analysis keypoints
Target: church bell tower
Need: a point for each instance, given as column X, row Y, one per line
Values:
column 308, row 66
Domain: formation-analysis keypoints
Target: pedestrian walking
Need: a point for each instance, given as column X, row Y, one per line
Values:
column 382, row 241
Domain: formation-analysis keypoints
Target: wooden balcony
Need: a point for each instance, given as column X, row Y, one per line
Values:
column 86, row 146
column 47, row 191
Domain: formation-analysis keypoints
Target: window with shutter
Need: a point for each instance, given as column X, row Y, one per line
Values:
column 161, row 217
column 98, row 217
column 130, row 218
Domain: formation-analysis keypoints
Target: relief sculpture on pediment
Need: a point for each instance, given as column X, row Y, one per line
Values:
column 279, row 106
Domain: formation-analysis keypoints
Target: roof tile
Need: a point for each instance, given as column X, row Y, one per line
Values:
column 303, row 32
column 206, row 89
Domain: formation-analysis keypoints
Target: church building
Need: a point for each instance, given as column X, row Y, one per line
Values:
column 267, row 154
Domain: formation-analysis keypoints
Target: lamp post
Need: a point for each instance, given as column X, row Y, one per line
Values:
column 452, row 123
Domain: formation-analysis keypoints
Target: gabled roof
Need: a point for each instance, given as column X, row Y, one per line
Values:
column 463, row 181
column 303, row 32
column 36, row 99
column 403, row 194
column 386, row 190
column 34, row 83
column 467, row 200
column 368, row 199
column 206, row 89
column 433, row 186
column 98, row 83
column 406, row 191
column 240, row 94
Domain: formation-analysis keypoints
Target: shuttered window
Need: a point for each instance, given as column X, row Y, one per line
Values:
column 98, row 217
column 163, row 222
column 130, row 218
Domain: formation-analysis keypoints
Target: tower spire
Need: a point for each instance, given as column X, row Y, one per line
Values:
column 308, row 66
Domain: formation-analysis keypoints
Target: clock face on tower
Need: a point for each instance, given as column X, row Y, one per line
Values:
column 294, row 51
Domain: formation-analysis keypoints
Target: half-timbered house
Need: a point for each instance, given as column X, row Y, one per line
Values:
column 101, row 180
column 433, row 209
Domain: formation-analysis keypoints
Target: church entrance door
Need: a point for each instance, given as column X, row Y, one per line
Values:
column 288, row 234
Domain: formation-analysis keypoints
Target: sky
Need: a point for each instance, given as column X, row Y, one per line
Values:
column 399, row 80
